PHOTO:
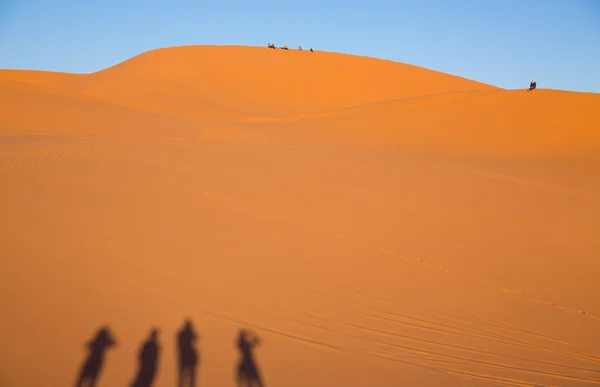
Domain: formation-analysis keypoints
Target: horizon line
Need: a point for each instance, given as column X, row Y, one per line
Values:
column 159, row 48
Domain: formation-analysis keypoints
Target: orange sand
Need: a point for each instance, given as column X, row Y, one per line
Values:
column 377, row 224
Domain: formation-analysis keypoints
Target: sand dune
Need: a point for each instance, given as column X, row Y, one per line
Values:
column 376, row 223
column 492, row 123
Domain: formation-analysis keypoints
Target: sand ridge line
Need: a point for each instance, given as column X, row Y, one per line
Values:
column 442, row 364
column 333, row 112
column 364, row 350
column 481, row 173
column 431, row 266
column 476, row 172
column 223, row 317
column 422, row 326
column 501, row 381
column 33, row 158
column 299, row 338
column 295, row 337
column 509, row 341
column 441, row 344
column 412, row 322
column 512, row 179
column 418, row 261
column 269, row 143
column 511, row 328
column 477, row 361
column 450, row 319
column 468, row 360
column 89, row 98
column 427, row 356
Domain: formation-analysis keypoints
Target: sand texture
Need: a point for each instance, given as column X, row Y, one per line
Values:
column 374, row 223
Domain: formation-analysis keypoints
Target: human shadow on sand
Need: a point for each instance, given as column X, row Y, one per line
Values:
column 92, row 367
column 148, row 361
column 247, row 372
column 187, row 354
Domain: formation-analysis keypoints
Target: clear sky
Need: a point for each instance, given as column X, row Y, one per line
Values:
column 502, row 42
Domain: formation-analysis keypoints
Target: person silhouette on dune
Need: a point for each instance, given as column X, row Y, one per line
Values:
column 247, row 372
column 148, row 361
column 532, row 85
column 93, row 365
column 188, row 356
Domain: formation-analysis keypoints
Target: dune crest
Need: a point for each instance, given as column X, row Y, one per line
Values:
column 365, row 101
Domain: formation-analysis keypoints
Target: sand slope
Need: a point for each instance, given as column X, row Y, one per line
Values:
column 375, row 223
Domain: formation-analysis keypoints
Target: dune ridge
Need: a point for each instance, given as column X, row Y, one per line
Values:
column 377, row 223
column 254, row 85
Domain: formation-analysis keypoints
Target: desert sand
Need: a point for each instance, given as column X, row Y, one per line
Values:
column 374, row 223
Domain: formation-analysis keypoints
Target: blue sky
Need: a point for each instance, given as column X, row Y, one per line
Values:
column 501, row 42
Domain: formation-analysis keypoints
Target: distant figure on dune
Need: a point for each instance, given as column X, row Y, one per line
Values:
column 148, row 361
column 532, row 85
column 271, row 45
column 311, row 50
column 188, row 356
column 93, row 365
column 247, row 372
column 299, row 48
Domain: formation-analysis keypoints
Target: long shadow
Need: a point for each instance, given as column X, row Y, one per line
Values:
column 247, row 373
column 148, row 361
column 92, row 367
column 188, row 354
